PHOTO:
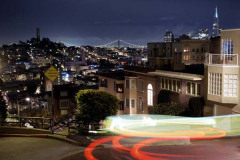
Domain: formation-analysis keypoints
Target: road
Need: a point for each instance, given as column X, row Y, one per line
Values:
column 29, row 148
column 220, row 149
column 123, row 148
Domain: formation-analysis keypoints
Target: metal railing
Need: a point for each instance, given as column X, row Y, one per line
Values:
column 35, row 122
column 221, row 59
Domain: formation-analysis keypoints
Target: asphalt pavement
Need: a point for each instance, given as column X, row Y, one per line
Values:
column 31, row 148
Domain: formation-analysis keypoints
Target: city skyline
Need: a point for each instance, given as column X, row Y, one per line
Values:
column 96, row 23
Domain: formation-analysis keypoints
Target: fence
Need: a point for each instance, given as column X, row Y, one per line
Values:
column 224, row 59
column 35, row 122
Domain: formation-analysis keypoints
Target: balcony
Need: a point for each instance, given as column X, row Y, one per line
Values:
column 220, row 59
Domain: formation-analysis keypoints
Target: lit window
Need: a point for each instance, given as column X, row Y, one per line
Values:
column 193, row 88
column 119, row 88
column 215, row 84
column 227, row 46
column 150, row 95
column 171, row 85
column 230, row 85
column 64, row 112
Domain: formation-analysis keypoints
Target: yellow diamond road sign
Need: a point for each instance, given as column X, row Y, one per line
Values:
column 51, row 73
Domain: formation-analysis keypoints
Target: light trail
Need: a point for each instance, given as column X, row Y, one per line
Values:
column 155, row 129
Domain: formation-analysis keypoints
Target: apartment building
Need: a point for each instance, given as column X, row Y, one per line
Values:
column 113, row 82
column 141, row 86
column 219, row 85
column 222, row 76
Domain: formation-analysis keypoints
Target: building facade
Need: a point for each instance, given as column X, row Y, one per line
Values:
column 219, row 86
column 222, row 76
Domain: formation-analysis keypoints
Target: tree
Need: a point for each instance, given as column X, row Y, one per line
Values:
column 94, row 106
column 174, row 109
column 196, row 106
column 32, row 87
column 3, row 109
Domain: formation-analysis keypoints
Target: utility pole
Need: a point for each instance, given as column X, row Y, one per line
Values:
column 52, row 73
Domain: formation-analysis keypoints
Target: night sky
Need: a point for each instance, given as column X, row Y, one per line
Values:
column 96, row 22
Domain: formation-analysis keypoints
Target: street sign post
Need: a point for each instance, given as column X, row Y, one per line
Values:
column 52, row 73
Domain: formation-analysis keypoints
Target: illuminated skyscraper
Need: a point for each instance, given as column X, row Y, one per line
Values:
column 168, row 37
column 203, row 33
column 216, row 31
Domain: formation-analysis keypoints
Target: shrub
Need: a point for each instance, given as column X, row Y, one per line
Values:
column 196, row 107
column 174, row 109
column 94, row 106
column 164, row 96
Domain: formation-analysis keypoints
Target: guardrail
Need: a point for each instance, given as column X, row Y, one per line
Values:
column 35, row 122
column 73, row 125
column 221, row 59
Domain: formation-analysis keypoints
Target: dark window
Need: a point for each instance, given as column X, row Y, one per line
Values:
column 193, row 89
column 114, row 85
column 198, row 89
column 178, row 86
column 133, row 103
column 188, row 88
column 127, row 83
column 140, row 104
column 103, row 83
column 127, row 102
column 121, row 105
column 162, row 83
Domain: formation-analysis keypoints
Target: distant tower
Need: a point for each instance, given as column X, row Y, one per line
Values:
column 168, row 37
column 216, row 31
column 38, row 34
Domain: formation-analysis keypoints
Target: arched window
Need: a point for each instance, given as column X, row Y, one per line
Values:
column 150, row 95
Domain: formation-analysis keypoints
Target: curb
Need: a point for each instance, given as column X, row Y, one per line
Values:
column 25, row 135
column 44, row 136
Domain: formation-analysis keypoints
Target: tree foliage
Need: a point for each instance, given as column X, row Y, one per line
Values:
column 174, row 109
column 196, row 107
column 94, row 105
column 3, row 109
column 32, row 87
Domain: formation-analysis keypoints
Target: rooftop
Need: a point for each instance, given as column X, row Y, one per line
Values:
column 186, row 76
column 117, row 75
